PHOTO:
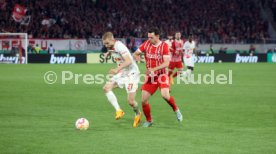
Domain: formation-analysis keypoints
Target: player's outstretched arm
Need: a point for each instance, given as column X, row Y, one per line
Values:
column 126, row 63
column 107, row 54
column 137, row 54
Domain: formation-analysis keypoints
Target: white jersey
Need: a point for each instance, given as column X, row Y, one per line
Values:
column 189, row 49
column 118, row 53
column 129, row 77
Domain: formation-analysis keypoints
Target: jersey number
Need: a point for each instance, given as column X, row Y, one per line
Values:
column 130, row 86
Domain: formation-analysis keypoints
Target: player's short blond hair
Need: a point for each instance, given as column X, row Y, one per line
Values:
column 107, row 35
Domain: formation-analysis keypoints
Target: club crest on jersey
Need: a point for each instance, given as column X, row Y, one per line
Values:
column 117, row 59
column 154, row 56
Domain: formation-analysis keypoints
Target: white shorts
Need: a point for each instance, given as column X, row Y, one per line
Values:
column 189, row 62
column 129, row 81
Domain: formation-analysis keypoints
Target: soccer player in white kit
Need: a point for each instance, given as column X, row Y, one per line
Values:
column 189, row 48
column 126, row 75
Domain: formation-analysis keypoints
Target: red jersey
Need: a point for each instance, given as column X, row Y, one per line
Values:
column 177, row 51
column 154, row 55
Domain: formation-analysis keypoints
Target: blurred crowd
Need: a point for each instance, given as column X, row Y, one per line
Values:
column 220, row 21
column 272, row 5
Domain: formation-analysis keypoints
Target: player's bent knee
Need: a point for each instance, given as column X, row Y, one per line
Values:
column 131, row 101
column 144, row 101
column 165, row 95
column 106, row 88
column 145, row 97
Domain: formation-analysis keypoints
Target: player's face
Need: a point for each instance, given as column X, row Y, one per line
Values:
column 108, row 43
column 190, row 38
column 178, row 36
column 170, row 37
column 153, row 38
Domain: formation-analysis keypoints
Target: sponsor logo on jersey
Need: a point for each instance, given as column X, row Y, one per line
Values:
column 154, row 56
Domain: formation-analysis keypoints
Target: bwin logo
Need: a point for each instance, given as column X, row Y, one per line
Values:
column 62, row 60
column 204, row 59
column 12, row 59
column 246, row 59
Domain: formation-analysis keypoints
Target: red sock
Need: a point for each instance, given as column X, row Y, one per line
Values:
column 146, row 110
column 172, row 103
column 175, row 74
column 170, row 73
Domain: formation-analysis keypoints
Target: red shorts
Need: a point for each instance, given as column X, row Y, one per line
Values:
column 174, row 65
column 151, row 84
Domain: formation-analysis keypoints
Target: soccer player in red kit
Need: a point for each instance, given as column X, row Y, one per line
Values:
column 176, row 57
column 157, row 60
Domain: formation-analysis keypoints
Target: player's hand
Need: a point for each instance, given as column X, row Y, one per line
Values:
column 150, row 72
column 137, row 58
column 106, row 55
column 113, row 71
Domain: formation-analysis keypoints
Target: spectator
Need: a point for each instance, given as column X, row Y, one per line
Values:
column 237, row 51
column 222, row 50
column 30, row 49
column 252, row 49
column 51, row 49
column 269, row 51
column 211, row 50
column 37, row 49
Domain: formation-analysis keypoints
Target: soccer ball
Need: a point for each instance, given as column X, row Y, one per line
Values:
column 82, row 124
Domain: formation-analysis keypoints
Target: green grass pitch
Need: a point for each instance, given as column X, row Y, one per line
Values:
column 39, row 118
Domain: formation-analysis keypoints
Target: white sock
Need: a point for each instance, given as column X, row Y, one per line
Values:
column 189, row 74
column 186, row 73
column 136, row 109
column 113, row 100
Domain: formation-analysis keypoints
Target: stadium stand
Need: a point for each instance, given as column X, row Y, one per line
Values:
column 220, row 21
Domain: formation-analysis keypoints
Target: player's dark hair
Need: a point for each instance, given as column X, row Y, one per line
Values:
column 154, row 30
